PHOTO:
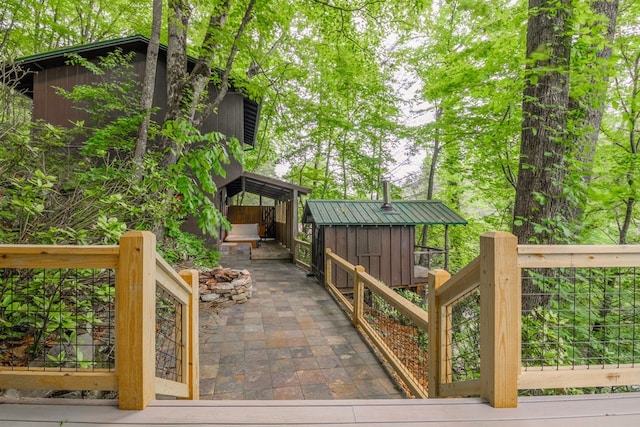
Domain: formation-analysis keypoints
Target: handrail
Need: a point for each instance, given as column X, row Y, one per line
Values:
column 444, row 290
column 579, row 256
column 407, row 308
column 362, row 280
column 463, row 282
column 297, row 244
column 496, row 273
column 548, row 256
column 139, row 270
column 172, row 282
column 61, row 256
column 328, row 277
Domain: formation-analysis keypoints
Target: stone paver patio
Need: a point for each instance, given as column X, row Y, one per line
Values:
column 289, row 341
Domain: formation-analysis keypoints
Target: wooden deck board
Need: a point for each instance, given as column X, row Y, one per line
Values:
column 619, row 410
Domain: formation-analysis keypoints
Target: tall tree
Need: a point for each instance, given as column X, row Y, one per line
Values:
column 540, row 203
column 615, row 188
column 562, row 109
column 148, row 84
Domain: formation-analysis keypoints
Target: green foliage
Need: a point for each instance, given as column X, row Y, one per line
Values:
column 589, row 318
column 387, row 309
column 336, row 85
column 51, row 305
column 180, row 247
column 92, row 198
column 412, row 297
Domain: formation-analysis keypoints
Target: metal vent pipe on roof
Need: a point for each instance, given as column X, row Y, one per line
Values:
column 386, row 206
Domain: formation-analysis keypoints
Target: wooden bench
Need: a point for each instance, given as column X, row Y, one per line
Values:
column 244, row 233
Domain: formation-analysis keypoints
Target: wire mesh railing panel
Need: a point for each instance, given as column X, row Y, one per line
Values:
column 303, row 252
column 462, row 327
column 57, row 319
column 429, row 257
column 169, row 344
column 402, row 336
column 580, row 317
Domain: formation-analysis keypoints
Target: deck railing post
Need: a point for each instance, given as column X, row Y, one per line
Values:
column 135, row 319
column 436, row 354
column 327, row 268
column 500, row 308
column 295, row 251
column 358, row 295
column 192, row 334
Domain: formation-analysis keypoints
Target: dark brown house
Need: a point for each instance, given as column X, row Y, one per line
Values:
column 237, row 117
column 382, row 240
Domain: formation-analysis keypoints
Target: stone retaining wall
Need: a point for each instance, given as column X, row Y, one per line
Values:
column 225, row 286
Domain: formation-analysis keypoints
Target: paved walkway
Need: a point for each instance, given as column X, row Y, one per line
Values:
column 290, row 341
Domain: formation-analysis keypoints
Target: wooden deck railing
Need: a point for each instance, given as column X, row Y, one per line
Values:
column 302, row 253
column 140, row 272
column 497, row 274
column 372, row 303
column 425, row 255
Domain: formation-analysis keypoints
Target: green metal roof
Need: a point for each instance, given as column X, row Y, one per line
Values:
column 369, row 212
column 98, row 46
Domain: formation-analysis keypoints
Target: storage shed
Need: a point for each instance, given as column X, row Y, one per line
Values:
column 379, row 236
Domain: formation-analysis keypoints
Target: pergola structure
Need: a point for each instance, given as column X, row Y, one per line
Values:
column 277, row 220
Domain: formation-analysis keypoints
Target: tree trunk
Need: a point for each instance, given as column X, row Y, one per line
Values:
column 540, row 206
column 178, row 105
column 430, row 183
column 224, row 85
column 148, row 86
column 628, row 217
column 201, row 73
column 327, row 169
column 176, row 69
column 589, row 110
column 176, row 72
column 608, row 9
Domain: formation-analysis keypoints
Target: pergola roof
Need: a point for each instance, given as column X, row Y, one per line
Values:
column 370, row 212
column 264, row 186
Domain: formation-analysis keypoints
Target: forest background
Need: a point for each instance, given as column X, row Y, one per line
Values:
column 520, row 116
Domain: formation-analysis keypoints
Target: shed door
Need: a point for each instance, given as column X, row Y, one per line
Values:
column 369, row 249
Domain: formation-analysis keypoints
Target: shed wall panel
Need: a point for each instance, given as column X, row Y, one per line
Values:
column 396, row 256
column 385, row 252
column 343, row 249
column 369, row 242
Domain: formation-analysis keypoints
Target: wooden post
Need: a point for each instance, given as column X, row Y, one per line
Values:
column 358, row 295
column 500, row 311
column 327, row 268
column 436, row 279
column 135, row 319
column 294, row 218
column 446, row 247
column 192, row 334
